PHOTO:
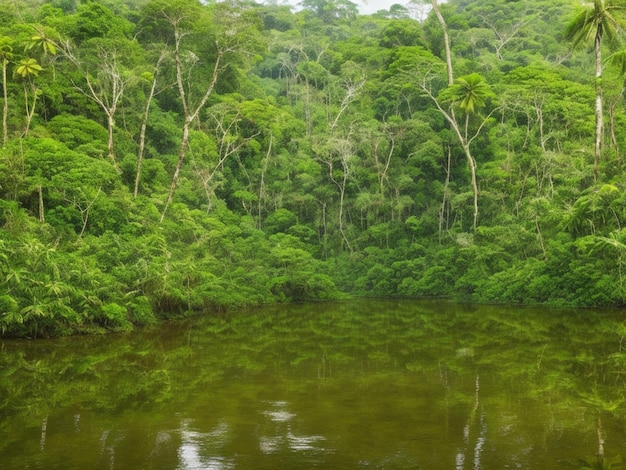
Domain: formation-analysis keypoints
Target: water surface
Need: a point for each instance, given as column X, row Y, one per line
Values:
column 342, row 385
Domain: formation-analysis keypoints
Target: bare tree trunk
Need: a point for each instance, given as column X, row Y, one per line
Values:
column 472, row 166
column 42, row 217
column 142, row 142
column 446, row 40
column 382, row 172
column 84, row 213
column 342, row 194
column 600, row 431
column 44, row 428
column 181, row 157
column 307, row 110
column 613, row 126
column 262, row 183
column 30, row 110
column 599, row 113
column 341, row 185
column 538, row 104
column 471, row 161
column 190, row 116
column 110, row 145
column 144, row 122
column 446, row 184
column 5, row 105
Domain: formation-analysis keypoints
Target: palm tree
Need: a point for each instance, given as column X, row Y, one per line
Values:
column 596, row 22
column 27, row 69
column 43, row 43
column 44, row 47
column 469, row 93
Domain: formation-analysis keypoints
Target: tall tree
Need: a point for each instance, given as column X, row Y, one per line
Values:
column 152, row 79
column 6, row 54
column 596, row 22
column 27, row 69
column 446, row 40
column 224, row 121
column 180, row 21
column 105, row 80
column 470, row 93
column 230, row 31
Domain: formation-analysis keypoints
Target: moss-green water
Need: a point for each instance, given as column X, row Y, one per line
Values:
column 357, row 384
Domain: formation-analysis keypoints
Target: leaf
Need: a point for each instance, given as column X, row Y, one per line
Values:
column 28, row 67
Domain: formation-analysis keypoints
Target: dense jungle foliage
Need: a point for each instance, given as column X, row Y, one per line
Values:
column 165, row 157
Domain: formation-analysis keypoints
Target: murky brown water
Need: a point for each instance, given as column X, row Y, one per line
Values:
column 348, row 385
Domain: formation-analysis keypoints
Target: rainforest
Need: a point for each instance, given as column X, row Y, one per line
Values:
column 163, row 158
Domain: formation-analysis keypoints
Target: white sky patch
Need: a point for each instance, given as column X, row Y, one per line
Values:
column 368, row 7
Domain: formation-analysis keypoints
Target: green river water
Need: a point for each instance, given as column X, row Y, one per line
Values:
column 360, row 384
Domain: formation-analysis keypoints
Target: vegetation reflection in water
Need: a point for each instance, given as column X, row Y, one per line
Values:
column 356, row 384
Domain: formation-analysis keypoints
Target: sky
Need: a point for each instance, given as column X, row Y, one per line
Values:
column 367, row 7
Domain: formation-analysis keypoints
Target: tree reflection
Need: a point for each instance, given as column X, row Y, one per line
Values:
column 429, row 384
column 281, row 436
column 202, row 450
